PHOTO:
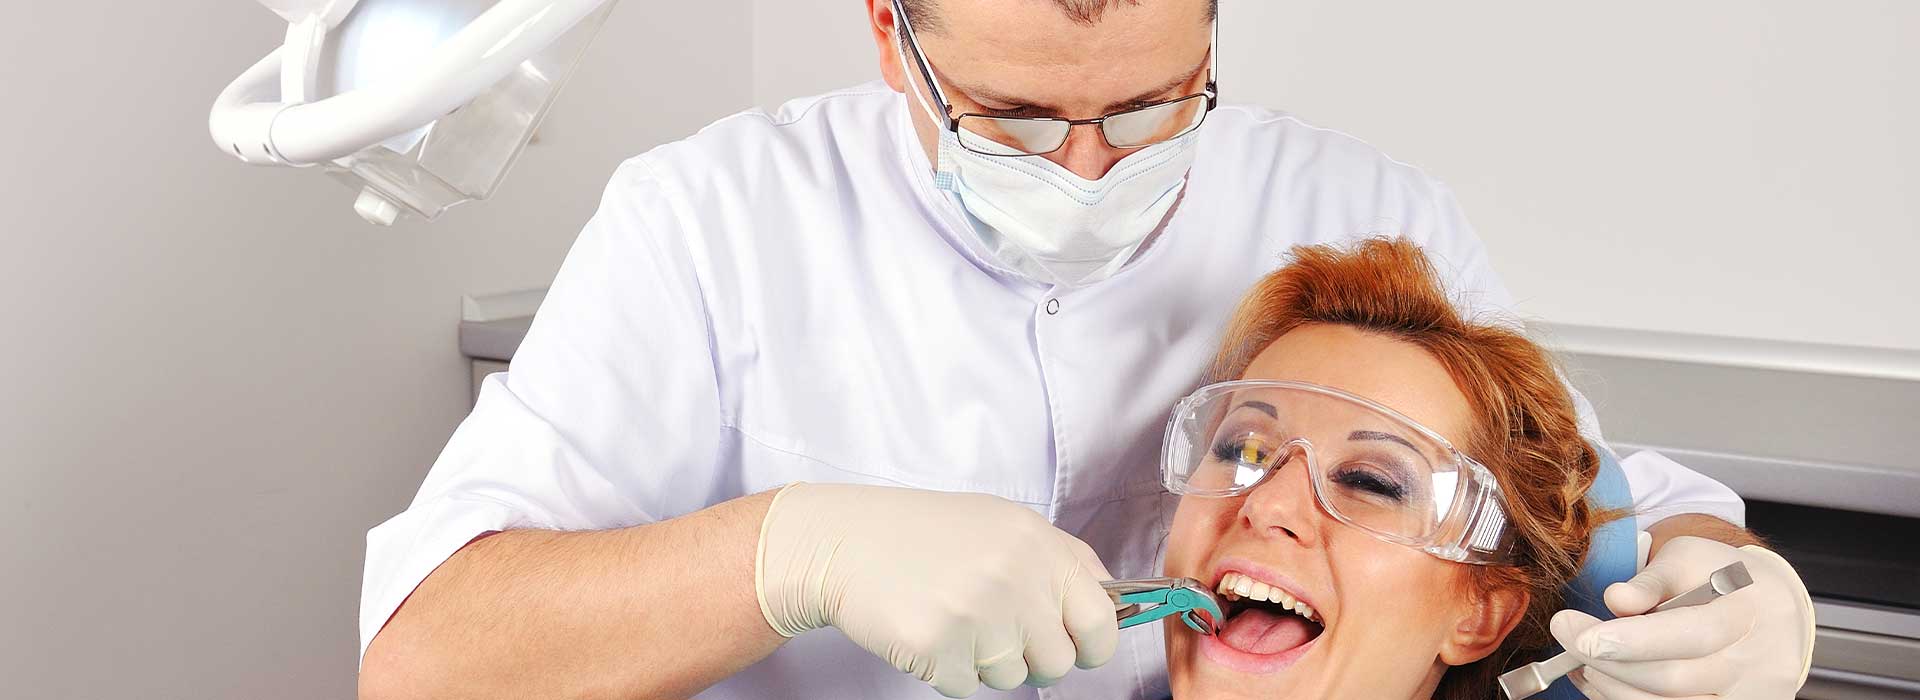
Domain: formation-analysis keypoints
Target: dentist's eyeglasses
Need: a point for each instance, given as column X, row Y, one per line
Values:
column 1367, row 465
column 1031, row 136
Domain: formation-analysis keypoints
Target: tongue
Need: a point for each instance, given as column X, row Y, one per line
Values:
column 1262, row 631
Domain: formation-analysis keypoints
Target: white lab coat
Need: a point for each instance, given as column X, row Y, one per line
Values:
column 786, row 297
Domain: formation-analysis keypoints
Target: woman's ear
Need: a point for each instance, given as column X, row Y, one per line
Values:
column 1483, row 625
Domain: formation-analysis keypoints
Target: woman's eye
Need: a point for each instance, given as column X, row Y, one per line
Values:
column 1371, row 482
column 1245, row 450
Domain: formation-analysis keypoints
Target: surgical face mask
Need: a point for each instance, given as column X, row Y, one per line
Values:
column 1047, row 223
column 1044, row 222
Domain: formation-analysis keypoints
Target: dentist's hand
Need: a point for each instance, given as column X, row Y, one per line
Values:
column 956, row 589
column 1753, row 644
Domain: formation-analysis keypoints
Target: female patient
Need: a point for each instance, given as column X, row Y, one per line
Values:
column 1389, row 495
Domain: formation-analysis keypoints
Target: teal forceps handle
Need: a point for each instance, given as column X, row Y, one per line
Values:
column 1144, row 600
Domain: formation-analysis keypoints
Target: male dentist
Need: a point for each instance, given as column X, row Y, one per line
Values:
column 954, row 308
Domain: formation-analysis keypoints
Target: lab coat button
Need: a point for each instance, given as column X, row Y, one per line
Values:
column 1053, row 306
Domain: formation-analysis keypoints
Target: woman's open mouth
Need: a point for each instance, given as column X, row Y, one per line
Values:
column 1267, row 627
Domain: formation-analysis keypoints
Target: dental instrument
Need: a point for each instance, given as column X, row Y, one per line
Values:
column 1533, row 678
column 1149, row 599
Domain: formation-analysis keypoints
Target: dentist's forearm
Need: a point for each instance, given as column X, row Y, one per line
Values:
column 653, row 611
column 1703, row 526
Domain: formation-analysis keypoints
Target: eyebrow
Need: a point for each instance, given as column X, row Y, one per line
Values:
column 1376, row 435
column 1260, row 406
column 981, row 94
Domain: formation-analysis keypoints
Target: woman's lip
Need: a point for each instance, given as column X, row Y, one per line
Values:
column 1264, row 574
column 1248, row 662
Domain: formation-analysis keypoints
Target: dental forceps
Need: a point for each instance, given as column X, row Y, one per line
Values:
column 1149, row 599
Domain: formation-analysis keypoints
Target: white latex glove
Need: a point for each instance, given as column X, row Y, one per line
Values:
column 1753, row 644
column 957, row 589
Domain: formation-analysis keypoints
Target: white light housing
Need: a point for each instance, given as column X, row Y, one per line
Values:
column 420, row 104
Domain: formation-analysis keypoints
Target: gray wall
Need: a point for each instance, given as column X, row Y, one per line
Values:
column 1726, row 167
column 217, row 377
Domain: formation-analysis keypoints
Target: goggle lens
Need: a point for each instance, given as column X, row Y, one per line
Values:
column 1367, row 465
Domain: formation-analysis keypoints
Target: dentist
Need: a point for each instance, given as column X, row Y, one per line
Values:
column 896, row 360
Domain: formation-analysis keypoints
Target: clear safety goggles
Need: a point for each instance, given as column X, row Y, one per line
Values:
column 1368, row 466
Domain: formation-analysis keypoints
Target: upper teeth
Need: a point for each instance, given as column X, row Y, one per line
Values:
column 1237, row 585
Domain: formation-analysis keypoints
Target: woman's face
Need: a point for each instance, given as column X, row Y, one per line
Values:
column 1390, row 617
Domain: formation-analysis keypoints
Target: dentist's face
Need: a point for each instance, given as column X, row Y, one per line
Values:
column 1385, row 612
column 1029, row 58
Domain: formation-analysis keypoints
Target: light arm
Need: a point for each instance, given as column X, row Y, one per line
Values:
column 278, row 130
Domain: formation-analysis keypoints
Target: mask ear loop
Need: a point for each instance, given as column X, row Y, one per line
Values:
column 905, row 29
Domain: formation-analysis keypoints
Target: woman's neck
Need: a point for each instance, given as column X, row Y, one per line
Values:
column 1431, row 682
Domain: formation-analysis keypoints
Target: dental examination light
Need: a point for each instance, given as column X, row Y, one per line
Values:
column 418, row 104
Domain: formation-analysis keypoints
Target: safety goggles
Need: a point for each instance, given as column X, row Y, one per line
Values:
column 1368, row 466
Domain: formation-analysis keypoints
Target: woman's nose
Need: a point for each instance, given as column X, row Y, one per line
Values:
column 1282, row 506
column 1086, row 152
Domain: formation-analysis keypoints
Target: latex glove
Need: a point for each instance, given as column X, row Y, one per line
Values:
column 1753, row 644
column 957, row 589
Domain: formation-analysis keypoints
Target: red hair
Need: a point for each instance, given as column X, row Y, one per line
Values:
column 1524, row 427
